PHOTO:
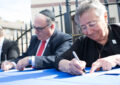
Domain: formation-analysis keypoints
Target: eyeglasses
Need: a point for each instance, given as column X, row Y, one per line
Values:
column 89, row 24
column 40, row 28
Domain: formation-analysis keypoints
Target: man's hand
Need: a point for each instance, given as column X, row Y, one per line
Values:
column 6, row 65
column 22, row 63
column 106, row 63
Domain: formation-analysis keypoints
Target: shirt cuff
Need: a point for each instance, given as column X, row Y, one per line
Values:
column 32, row 61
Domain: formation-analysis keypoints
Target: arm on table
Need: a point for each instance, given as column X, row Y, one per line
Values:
column 106, row 63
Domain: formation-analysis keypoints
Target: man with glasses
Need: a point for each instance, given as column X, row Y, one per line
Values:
column 99, row 47
column 45, row 46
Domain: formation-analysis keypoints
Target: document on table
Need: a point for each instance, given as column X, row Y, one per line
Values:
column 111, row 72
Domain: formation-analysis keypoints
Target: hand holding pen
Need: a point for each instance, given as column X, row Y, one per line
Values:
column 82, row 63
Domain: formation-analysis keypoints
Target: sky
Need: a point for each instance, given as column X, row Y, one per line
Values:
column 15, row 10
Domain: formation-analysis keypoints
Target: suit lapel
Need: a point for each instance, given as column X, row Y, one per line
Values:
column 36, row 47
column 47, row 49
column 50, row 45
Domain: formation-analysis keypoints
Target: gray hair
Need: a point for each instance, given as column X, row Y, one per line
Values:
column 85, row 5
column 48, row 20
column 1, row 31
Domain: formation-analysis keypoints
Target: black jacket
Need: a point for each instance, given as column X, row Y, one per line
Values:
column 9, row 49
column 88, row 50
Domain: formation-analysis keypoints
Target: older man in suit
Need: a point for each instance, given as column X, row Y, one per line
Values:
column 8, row 49
column 45, row 46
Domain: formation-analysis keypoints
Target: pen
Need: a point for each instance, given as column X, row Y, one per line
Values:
column 75, row 55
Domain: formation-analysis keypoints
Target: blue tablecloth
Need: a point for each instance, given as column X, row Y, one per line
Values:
column 54, row 77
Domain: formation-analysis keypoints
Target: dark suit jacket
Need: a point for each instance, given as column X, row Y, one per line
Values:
column 58, row 43
column 10, row 49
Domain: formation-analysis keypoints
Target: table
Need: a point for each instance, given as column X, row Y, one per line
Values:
column 53, row 77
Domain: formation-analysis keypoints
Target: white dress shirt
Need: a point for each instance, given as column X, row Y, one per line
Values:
column 33, row 57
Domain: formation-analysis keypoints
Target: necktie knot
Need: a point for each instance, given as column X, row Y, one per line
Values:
column 44, row 41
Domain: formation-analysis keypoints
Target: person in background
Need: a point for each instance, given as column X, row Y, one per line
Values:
column 99, row 47
column 45, row 46
column 8, row 49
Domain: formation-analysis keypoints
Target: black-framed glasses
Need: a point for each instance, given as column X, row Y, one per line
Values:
column 40, row 28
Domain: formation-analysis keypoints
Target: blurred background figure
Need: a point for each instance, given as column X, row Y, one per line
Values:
column 8, row 49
